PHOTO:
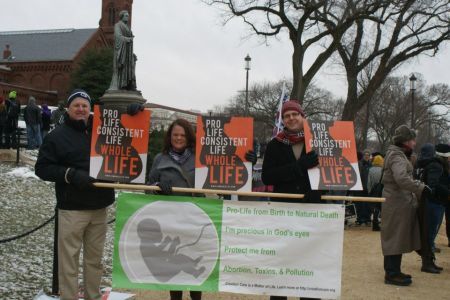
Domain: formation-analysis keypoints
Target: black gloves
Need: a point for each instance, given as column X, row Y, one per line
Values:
column 308, row 160
column 251, row 156
column 80, row 178
column 134, row 108
column 166, row 188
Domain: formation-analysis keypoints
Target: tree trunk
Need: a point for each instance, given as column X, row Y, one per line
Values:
column 298, row 86
column 351, row 105
column 366, row 125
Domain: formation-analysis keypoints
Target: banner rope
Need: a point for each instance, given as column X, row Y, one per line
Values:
column 16, row 237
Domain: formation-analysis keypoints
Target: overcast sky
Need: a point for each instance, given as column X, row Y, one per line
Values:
column 186, row 58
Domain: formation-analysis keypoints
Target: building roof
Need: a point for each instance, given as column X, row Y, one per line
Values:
column 44, row 45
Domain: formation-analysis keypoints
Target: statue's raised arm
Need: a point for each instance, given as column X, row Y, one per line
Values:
column 124, row 61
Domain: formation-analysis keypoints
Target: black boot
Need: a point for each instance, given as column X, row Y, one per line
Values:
column 405, row 275
column 397, row 279
column 428, row 265
column 433, row 259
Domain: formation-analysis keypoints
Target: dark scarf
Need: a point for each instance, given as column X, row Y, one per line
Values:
column 290, row 138
column 180, row 157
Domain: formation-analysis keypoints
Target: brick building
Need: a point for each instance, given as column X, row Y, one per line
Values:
column 39, row 63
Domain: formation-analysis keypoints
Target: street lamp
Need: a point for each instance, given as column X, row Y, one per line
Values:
column 412, row 87
column 247, row 68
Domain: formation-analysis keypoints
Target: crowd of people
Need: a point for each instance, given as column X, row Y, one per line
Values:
column 417, row 199
column 410, row 216
column 39, row 120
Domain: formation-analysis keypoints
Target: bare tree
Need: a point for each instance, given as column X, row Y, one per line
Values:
column 376, row 45
column 389, row 109
column 316, row 26
column 264, row 100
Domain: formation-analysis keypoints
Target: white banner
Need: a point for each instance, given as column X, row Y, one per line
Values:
column 282, row 249
column 249, row 247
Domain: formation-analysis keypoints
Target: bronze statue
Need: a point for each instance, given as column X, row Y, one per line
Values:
column 124, row 61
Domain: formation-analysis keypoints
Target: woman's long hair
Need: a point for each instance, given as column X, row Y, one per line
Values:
column 188, row 130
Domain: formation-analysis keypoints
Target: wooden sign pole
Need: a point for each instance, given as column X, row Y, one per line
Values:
column 123, row 186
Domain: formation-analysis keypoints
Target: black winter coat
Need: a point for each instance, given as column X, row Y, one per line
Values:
column 435, row 176
column 281, row 170
column 68, row 146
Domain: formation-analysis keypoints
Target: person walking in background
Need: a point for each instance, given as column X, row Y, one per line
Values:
column 46, row 116
column 13, row 111
column 33, row 119
column 286, row 162
column 175, row 166
column 374, row 176
column 3, row 119
column 57, row 117
column 363, row 208
column 400, row 231
column 433, row 171
column 430, row 211
column 441, row 186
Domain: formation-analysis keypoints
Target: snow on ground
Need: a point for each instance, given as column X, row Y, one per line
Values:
column 22, row 172
column 26, row 263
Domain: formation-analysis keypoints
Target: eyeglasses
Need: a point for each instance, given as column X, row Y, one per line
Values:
column 291, row 115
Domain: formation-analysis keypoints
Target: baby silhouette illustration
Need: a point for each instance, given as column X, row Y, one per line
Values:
column 126, row 143
column 216, row 171
column 161, row 255
column 342, row 181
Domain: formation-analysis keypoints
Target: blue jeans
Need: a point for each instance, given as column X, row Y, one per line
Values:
column 435, row 213
column 34, row 136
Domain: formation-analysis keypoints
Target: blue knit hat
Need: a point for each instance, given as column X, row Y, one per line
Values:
column 78, row 93
column 427, row 151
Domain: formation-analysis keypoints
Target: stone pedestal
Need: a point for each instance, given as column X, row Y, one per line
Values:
column 122, row 97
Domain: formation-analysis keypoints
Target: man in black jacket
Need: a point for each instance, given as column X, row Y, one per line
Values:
column 286, row 162
column 64, row 159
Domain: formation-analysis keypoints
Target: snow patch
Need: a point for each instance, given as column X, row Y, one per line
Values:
column 108, row 294
column 22, row 172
